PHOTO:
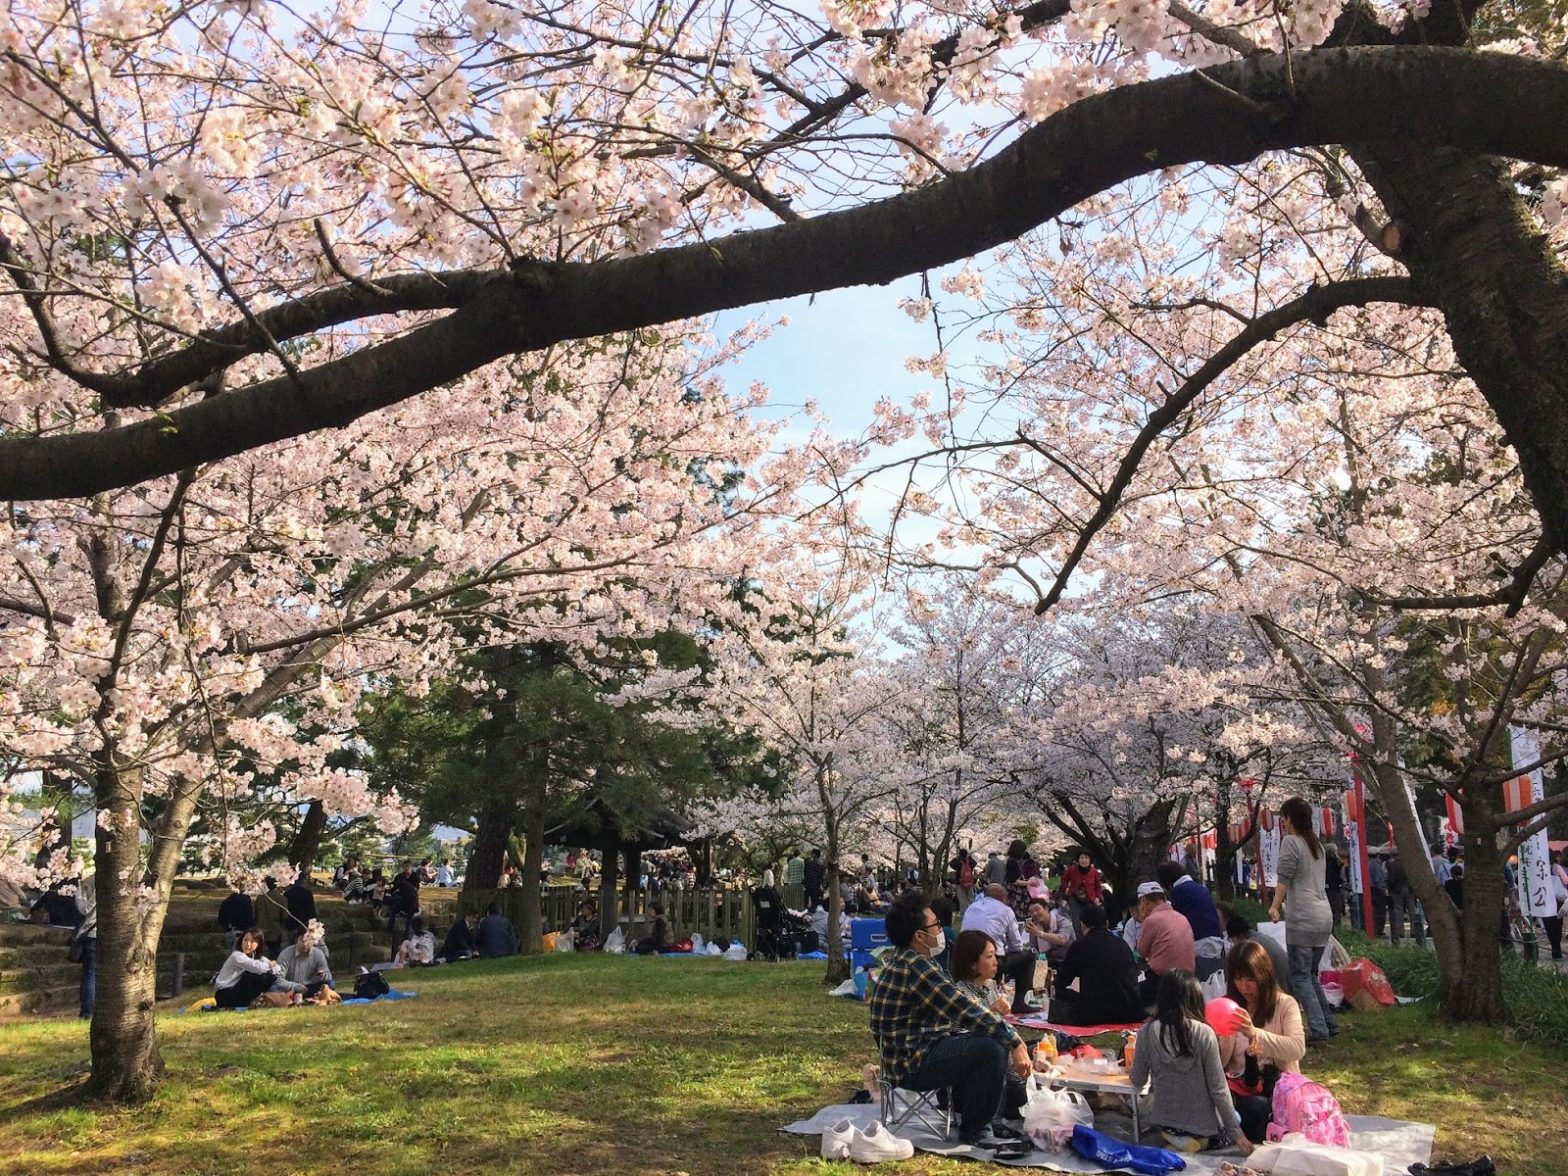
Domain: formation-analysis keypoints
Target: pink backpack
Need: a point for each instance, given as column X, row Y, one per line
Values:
column 1305, row 1106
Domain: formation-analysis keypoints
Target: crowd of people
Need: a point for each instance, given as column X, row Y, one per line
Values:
column 940, row 1005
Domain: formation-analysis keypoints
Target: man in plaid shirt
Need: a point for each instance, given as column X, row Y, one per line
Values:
column 932, row 1034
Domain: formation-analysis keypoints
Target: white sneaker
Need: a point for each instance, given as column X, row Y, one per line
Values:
column 838, row 1139
column 876, row 1144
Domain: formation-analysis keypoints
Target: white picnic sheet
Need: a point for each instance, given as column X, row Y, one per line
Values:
column 1399, row 1143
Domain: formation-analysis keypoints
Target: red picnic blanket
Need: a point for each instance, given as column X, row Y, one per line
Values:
column 1035, row 1021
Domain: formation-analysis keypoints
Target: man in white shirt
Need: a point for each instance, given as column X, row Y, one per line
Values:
column 444, row 875
column 991, row 915
column 1440, row 866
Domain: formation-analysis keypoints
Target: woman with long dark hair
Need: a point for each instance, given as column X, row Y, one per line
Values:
column 1179, row 1056
column 1270, row 1040
column 246, row 974
column 1309, row 921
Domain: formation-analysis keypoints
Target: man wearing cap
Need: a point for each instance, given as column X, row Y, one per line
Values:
column 1165, row 941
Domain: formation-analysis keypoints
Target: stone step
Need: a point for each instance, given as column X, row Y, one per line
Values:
column 28, row 934
column 27, row 979
column 36, row 955
column 56, row 1001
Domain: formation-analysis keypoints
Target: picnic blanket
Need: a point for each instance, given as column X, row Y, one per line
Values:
column 1399, row 1143
column 209, row 1004
column 1036, row 1021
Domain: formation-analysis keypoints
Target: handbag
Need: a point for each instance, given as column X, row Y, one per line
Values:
column 74, row 951
column 273, row 1000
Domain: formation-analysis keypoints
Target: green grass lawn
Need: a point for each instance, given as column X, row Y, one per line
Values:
column 601, row 1064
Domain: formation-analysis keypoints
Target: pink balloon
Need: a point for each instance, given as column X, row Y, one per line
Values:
column 1223, row 1015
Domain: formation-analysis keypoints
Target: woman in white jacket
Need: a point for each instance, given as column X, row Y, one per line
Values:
column 246, row 974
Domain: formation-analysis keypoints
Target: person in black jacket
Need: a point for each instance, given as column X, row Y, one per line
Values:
column 495, row 935
column 767, row 906
column 236, row 915
column 301, row 904
column 405, row 888
column 462, row 940
column 814, row 877
column 1107, row 976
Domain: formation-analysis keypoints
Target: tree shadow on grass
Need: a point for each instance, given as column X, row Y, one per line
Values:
column 558, row 1065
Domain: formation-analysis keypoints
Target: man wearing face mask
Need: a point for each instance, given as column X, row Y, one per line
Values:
column 933, row 1035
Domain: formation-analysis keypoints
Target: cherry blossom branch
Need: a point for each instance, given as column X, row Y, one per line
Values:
column 1513, row 594
column 1314, row 306
column 1413, row 94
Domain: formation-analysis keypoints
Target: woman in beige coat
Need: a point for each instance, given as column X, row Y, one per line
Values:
column 1271, row 1039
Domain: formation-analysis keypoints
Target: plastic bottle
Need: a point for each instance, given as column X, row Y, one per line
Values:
column 1045, row 1051
column 1129, row 1052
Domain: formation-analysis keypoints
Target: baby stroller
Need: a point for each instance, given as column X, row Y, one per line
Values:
column 794, row 937
column 770, row 911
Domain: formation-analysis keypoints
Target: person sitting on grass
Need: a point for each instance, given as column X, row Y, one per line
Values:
column 304, row 962
column 1179, row 1056
column 1107, row 976
column 418, row 949
column 658, row 932
column 246, row 974
column 1270, row 1040
column 931, row 1034
column 585, row 927
column 462, row 940
column 496, row 935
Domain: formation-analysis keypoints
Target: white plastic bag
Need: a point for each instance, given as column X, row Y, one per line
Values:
column 616, row 943
column 1295, row 1156
column 736, row 951
column 699, row 945
column 565, row 941
column 1214, row 986
column 1051, row 1115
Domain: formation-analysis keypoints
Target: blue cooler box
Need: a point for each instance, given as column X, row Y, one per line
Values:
column 867, row 934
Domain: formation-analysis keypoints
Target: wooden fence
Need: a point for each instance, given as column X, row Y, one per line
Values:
column 711, row 911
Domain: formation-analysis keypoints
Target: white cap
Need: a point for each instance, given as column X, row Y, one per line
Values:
column 1145, row 889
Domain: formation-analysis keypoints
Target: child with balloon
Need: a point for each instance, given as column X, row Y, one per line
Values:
column 1261, row 1033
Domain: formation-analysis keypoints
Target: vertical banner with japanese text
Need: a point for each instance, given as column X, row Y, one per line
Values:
column 1534, row 873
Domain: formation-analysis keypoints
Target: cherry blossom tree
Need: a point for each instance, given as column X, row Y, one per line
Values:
column 234, row 223
column 153, row 634
column 1147, row 715
column 790, row 667
column 950, row 721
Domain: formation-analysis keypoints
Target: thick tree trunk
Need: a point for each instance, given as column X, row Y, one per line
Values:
column 838, row 959
column 1477, row 253
column 489, row 849
column 126, row 1063
column 307, row 842
column 1148, row 846
column 1458, row 963
column 1474, row 991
